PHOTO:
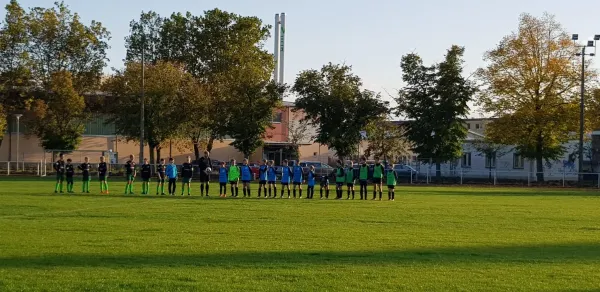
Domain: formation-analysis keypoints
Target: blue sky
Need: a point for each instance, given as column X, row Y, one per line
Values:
column 370, row 35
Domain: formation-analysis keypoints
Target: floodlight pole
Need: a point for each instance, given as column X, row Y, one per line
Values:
column 591, row 44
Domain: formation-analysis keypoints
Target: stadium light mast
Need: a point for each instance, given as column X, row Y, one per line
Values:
column 589, row 44
column 142, row 101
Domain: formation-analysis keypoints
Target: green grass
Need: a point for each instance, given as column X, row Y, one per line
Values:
column 430, row 239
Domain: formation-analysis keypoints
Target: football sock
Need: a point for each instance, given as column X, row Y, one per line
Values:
column 232, row 191
column 207, row 188
column 327, row 193
column 352, row 194
column 294, row 192
column 300, row 193
column 288, row 193
column 260, row 190
column 237, row 191
column 244, row 191
column 249, row 195
column 201, row 189
column 321, row 192
column 380, row 194
column 126, row 188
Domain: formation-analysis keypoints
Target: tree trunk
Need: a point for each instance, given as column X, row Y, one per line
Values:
column 490, row 172
column 539, row 158
column 151, row 147
column 209, row 145
column 158, row 148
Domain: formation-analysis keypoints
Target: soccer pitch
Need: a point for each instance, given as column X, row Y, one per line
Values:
column 430, row 239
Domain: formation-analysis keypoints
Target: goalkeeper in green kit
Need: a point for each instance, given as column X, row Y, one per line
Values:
column 85, row 168
column 59, row 167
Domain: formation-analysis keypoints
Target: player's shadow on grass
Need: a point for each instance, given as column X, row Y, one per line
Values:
column 542, row 254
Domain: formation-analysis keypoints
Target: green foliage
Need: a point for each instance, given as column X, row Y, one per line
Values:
column 59, row 41
column 435, row 101
column 3, row 122
column 334, row 102
column 58, row 120
column 168, row 91
column 531, row 84
column 213, row 47
column 252, row 115
column 14, row 69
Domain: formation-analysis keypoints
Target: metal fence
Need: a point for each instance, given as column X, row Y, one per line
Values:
column 422, row 174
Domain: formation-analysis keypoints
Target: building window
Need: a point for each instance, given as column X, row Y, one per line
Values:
column 277, row 118
column 468, row 126
column 518, row 161
column 466, row 160
column 477, row 126
column 490, row 161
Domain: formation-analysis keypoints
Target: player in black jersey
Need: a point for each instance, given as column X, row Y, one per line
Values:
column 85, row 168
column 59, row 167
column 187, row 171
column 160, row 173
column 146, row 174
column 102, row 173
column 70, row 172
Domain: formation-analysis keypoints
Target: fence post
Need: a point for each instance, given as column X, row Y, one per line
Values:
column 38, row 169
column 598, row 175
column 461, row 176
column 8, row 168
column 427, row 175
column 495, row 175
column 411, row 179
column 529, row 178
column 563, row 177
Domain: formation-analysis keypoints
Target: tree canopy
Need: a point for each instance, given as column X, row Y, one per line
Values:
column 531, row 86
column 435, row 100
column 334, row 102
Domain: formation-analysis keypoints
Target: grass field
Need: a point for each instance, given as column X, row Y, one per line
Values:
column 430, row 239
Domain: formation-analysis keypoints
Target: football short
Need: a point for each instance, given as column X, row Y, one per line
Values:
column 246, row 181
column 297, row 183
column 204, row 177
column 86, row 178
column 130, row 177
column 60, row 177
column 391, row 187
column 363, row 182
column 186, row 180
column 271, row 182
column 339, row 184
column 102, row 177
column 262, row 182
column 69, row 179
column 376, row 180
column 350, row 185
column 324, row 184
column 233, row 182
column 223, row 184
column 145, row 179
column 285, row 184
column 161, row 179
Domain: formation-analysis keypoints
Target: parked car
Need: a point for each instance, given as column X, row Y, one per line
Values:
column 404, row 170
column 320, row 168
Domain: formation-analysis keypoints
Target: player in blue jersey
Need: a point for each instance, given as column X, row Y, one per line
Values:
column 310, row 181
column 298, row 178
column 272, row 178
column 223, row 180
column 286, row 175
column 262, row 178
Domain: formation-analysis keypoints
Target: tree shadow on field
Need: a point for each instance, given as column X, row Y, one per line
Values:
column 585, row 253
column 493, row 192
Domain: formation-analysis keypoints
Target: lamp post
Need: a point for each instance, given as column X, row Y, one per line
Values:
column 589, row 44
column 142, row 102
column 18, row 116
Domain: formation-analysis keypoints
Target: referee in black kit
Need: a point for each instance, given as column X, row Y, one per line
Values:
column 203, row 163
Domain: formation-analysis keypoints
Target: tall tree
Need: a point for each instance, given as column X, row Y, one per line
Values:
column 387, row 140
column 253, row 114
column 333, row 101
column 530, row 86
column 435, row 99
column 58, row 120
column 167, row 93
column 14, row 67
column 145, row 35
column 59, row 41
column 298, row 132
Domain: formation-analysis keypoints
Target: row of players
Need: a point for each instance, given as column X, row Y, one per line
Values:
column 233, row 174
